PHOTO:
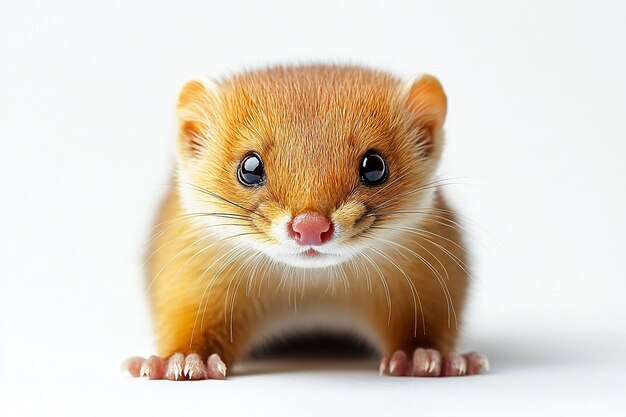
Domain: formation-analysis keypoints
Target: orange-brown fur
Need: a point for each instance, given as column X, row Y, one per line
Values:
column 311, row 125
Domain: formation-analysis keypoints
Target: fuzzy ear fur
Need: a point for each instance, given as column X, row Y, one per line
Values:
column 196, row 111
column 427, row 104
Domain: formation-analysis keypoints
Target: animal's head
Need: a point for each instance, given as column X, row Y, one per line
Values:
column 309, row 165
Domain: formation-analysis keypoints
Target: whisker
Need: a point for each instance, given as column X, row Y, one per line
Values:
column 427, row 186
column 437, row 219
column 442, row 283
column 465, row 218
column 206, row 248
column 247, row 261
column 383, row 282
column 418, row 231
column 272, row 266
column 283, row 279
column 186, row 248
column 195, row 230
column 303, row 284
column 237, row 249
column 216, row 195
column 414, row 292
column 343, row 277
column 423, row 234
column 389, row 184
column 290, row 287
column 169, row 222
column 252, row 281
column 331, row 282
column 368, row 277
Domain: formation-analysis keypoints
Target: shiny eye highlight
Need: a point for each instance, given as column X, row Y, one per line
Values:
column 251, row 172
column 373, row 168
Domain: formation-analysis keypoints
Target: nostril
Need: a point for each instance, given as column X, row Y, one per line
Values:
column 325, row 236
column 292, row 233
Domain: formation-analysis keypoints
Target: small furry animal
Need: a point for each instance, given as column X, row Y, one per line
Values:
column 305, row 199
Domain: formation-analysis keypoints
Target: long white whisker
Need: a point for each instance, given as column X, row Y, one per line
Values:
column 442, row 282
column 414, row 293
column 238, row 249
column 424, row 234
column 384, row 283
column 185, row 249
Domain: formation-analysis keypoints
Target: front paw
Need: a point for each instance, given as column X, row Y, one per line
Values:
column 178, row 367
column 429, row 363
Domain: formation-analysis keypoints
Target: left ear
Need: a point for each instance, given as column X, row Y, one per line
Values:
column 196, row 112
column 426, row 103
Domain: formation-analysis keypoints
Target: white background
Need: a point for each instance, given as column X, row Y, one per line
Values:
column 536, row 131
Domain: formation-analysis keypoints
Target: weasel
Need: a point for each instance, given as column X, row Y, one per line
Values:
column 305, row 198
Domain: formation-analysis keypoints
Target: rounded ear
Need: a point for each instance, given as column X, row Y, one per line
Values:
column 426, row 103
column 196, row 111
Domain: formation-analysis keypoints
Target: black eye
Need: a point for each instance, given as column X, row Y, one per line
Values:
column 373, row 168
column 251, row 172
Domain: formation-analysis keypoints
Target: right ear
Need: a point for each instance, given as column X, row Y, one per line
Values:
column 197, row 114
column 427, row 103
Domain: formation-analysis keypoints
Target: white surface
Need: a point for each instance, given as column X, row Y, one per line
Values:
column 536, row 129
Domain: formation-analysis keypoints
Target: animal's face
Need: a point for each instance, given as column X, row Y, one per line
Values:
column 309, row 166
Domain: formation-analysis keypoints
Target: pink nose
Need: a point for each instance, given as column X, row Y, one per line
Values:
column 311, row 229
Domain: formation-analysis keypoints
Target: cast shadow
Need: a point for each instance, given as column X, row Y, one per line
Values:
column 338, row 353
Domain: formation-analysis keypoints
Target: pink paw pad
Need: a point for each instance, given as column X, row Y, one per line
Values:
column 177, row 368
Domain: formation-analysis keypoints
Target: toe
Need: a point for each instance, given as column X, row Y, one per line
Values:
column 194, row 367
column 398, row 363
column 476, row 363
column 454, row 365
column 216, row 368
column 383, row 368
column 175, row 367
column 153, row 368
column 133, row 365
column 426, row 362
